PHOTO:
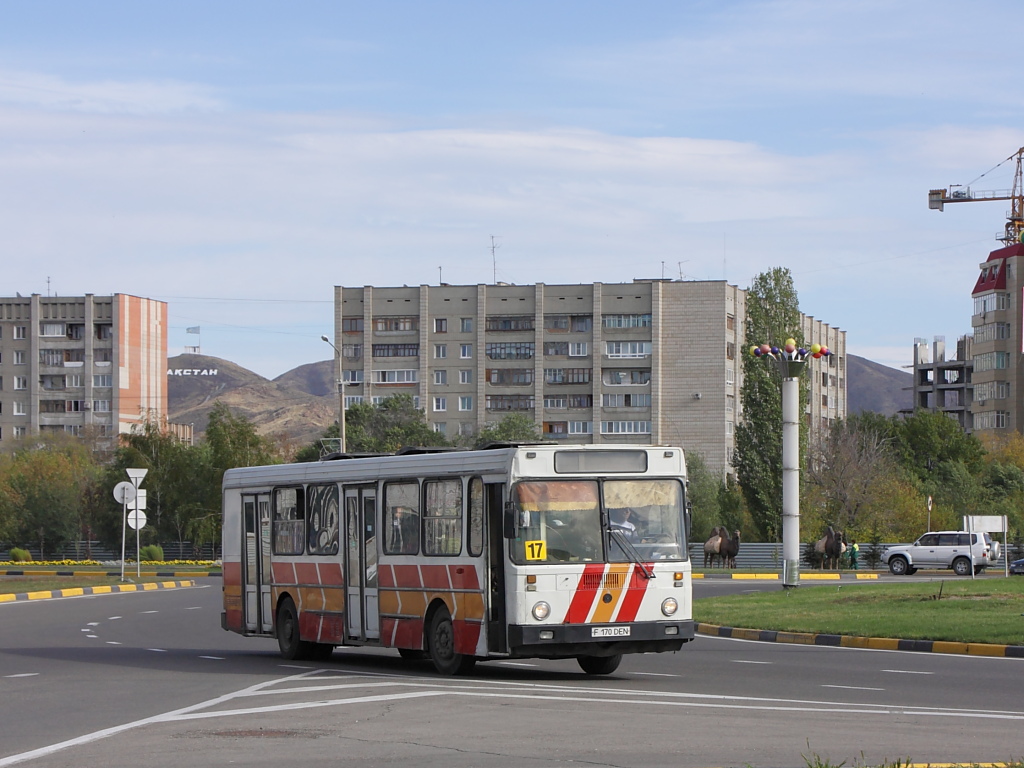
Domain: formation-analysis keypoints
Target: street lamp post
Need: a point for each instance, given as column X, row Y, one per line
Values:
column 791, row 362
column 341, row 392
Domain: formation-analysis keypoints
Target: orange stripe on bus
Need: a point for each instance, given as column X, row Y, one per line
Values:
column 586, row 591
column 634, row 594
column 611, row 590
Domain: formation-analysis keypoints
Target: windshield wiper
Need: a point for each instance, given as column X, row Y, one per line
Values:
column 630, row 551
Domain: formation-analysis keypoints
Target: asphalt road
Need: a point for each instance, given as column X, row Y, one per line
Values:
column 151, row 679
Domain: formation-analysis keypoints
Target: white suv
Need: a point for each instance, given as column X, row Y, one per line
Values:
column 942, row 549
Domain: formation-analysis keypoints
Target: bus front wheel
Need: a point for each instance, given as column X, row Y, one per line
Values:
column 441, row 644
column 599, row 665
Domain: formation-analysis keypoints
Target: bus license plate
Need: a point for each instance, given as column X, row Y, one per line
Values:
column 609, row 632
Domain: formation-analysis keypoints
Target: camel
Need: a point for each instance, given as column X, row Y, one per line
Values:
column 729, row 549
column 713, row 546
column 830, row 547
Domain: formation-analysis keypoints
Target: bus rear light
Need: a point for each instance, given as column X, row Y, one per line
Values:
column 669, row 606
column 531, row 579
column 677, row 576
column 541, row 611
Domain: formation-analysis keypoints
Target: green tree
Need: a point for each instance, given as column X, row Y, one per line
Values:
column 313, row 451
column 705, row 503
column 513, row 428
column 926, row 440
column 773, row 315
column 47, row 485
column 388, row 426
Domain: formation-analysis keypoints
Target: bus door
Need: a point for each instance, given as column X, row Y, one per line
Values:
column 497, row 546
column 256, row 551
column 361, row 616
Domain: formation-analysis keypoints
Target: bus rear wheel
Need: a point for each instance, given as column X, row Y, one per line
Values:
column 599, row 665
column 292, row 646
column 441, row 645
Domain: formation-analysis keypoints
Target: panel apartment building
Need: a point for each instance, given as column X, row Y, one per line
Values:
column 647, row 362
column 81, row 364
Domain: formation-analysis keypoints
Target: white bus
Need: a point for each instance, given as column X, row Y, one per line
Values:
column 527, row 551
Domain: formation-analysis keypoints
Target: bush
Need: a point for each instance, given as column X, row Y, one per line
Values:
column 152, row 552
column 20, row 555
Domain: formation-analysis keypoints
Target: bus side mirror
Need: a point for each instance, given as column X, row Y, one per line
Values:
column 688, row 518
column 508, row 522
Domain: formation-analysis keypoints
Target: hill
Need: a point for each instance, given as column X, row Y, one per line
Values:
column 874, row 387
column 281, row 407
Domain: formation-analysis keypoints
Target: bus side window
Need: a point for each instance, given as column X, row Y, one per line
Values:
column 289, row 524
column 442, row 531
column 476, row 517
column 401, row 518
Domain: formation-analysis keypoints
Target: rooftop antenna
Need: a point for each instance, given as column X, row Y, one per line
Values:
column 440, row 279
column 662, row 269
column 494, row 260
column 47, row 285
column 680, row 267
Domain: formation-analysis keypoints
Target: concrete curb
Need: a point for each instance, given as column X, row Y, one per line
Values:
column 853, row 641
column 100, row 590
column 777, row 577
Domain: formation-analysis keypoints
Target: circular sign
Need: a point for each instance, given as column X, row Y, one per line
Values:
column 124, row 492
column 137, row 519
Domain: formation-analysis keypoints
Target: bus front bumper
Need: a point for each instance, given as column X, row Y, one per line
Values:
column 567, row 640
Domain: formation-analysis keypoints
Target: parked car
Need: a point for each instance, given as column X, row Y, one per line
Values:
column 942, row 550
column 1017, row 567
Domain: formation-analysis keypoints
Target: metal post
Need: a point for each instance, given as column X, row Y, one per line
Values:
column 790, row 481
column 341, row 391
column 124, row 533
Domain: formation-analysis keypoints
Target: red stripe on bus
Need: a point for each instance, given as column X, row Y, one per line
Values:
column 330, row 574
column 634, row 594
column 467, row 635
column 586, row 591
column 305, row 573
column 232, row 574
column 283, row 573
column 435, row 577
column 464, row 576
column 385, row 575
column 409, row 634
column 407, row 576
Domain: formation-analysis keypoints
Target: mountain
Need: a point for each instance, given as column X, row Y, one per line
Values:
column 874, row 387
column 300, row 404
column 288, row 407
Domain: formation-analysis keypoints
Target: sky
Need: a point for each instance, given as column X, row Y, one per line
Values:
column 239, row 159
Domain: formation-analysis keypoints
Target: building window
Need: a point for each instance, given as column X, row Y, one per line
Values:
column 466, row 324
column 627, row 400
column 510, row 350
column 465, row 377
column 466, row 403
column 440, row 325
column 465, row 428
column 556, row 403
column 628, row 348
column 103, row 356
column 440, row 404
column 396, row 350
column 400, row 376
column 466, row 351
column 730, row 350
column 101, row 406
column 567, row 375
column 76, row 331
column 991, row 332
column 990, row 361
column 21, row 332
column 730, row 322
column 615, row 378
column 513, row 323
column 440, row 351
column 395, row 324
column 991, row 390
column 51, row 406
column 441, row 378
column 441, row 427
column 510, row 377
column 352, row 325
column 729, row 376
column 104, row 331
column 555, row 428
column 625, row 427
column 578, row 349
column 991, row 420
column 75, row 381
column 354, row 376
column 627, row 321
column 21, row 431
column 509, row 402
column 19, row 357
column 352, row 351
column 51, row 329
column 991, row 302
column 20, row 409
column 581, row 401
column 21, row 382
column 102, row 380
column 581, row 427
column 556, row 348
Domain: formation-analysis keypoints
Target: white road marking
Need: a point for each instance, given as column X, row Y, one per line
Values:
column 656, row 674
column 24, row 674
column 87, row 630
column 112, row 642
column 156, row 650
column 747, row 661
column 113, row 618
column 216, row 658
column 194, row 608
column 853, row 688
column 293, row 666
column 93, row 624
column 92, row 636
column 516, row 664
column 907, row 672
column 149, row 611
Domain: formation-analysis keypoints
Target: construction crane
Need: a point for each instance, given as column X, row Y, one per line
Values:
column 957, row 193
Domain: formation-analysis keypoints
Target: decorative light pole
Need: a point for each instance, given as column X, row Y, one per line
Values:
column 791, row 361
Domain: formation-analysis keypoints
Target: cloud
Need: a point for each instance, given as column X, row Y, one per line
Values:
column 49, row 92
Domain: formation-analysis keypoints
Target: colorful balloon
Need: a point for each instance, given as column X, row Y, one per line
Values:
column 815, row 349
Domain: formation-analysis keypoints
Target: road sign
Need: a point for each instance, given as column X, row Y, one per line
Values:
column 137, row 519
column 136, row 474
column 139, row 501
column 124, row 492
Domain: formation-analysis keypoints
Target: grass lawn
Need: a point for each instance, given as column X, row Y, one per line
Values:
column 20, row 584
column 983, row 611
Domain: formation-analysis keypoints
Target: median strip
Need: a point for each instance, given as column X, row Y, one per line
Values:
column 100, row 590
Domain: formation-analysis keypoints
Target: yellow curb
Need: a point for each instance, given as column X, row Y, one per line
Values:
column 819, row 576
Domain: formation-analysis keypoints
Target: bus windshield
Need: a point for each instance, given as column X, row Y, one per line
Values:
column 561, row 520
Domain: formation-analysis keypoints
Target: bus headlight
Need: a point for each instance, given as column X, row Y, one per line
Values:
column 541, row 611
column 669, row 606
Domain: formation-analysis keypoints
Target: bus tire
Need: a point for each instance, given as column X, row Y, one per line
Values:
column 441, row 646
column 320, row 651
column 411, row 654
column 599, row 665
column 292, row 646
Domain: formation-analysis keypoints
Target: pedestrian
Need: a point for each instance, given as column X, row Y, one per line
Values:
column 854, row 549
